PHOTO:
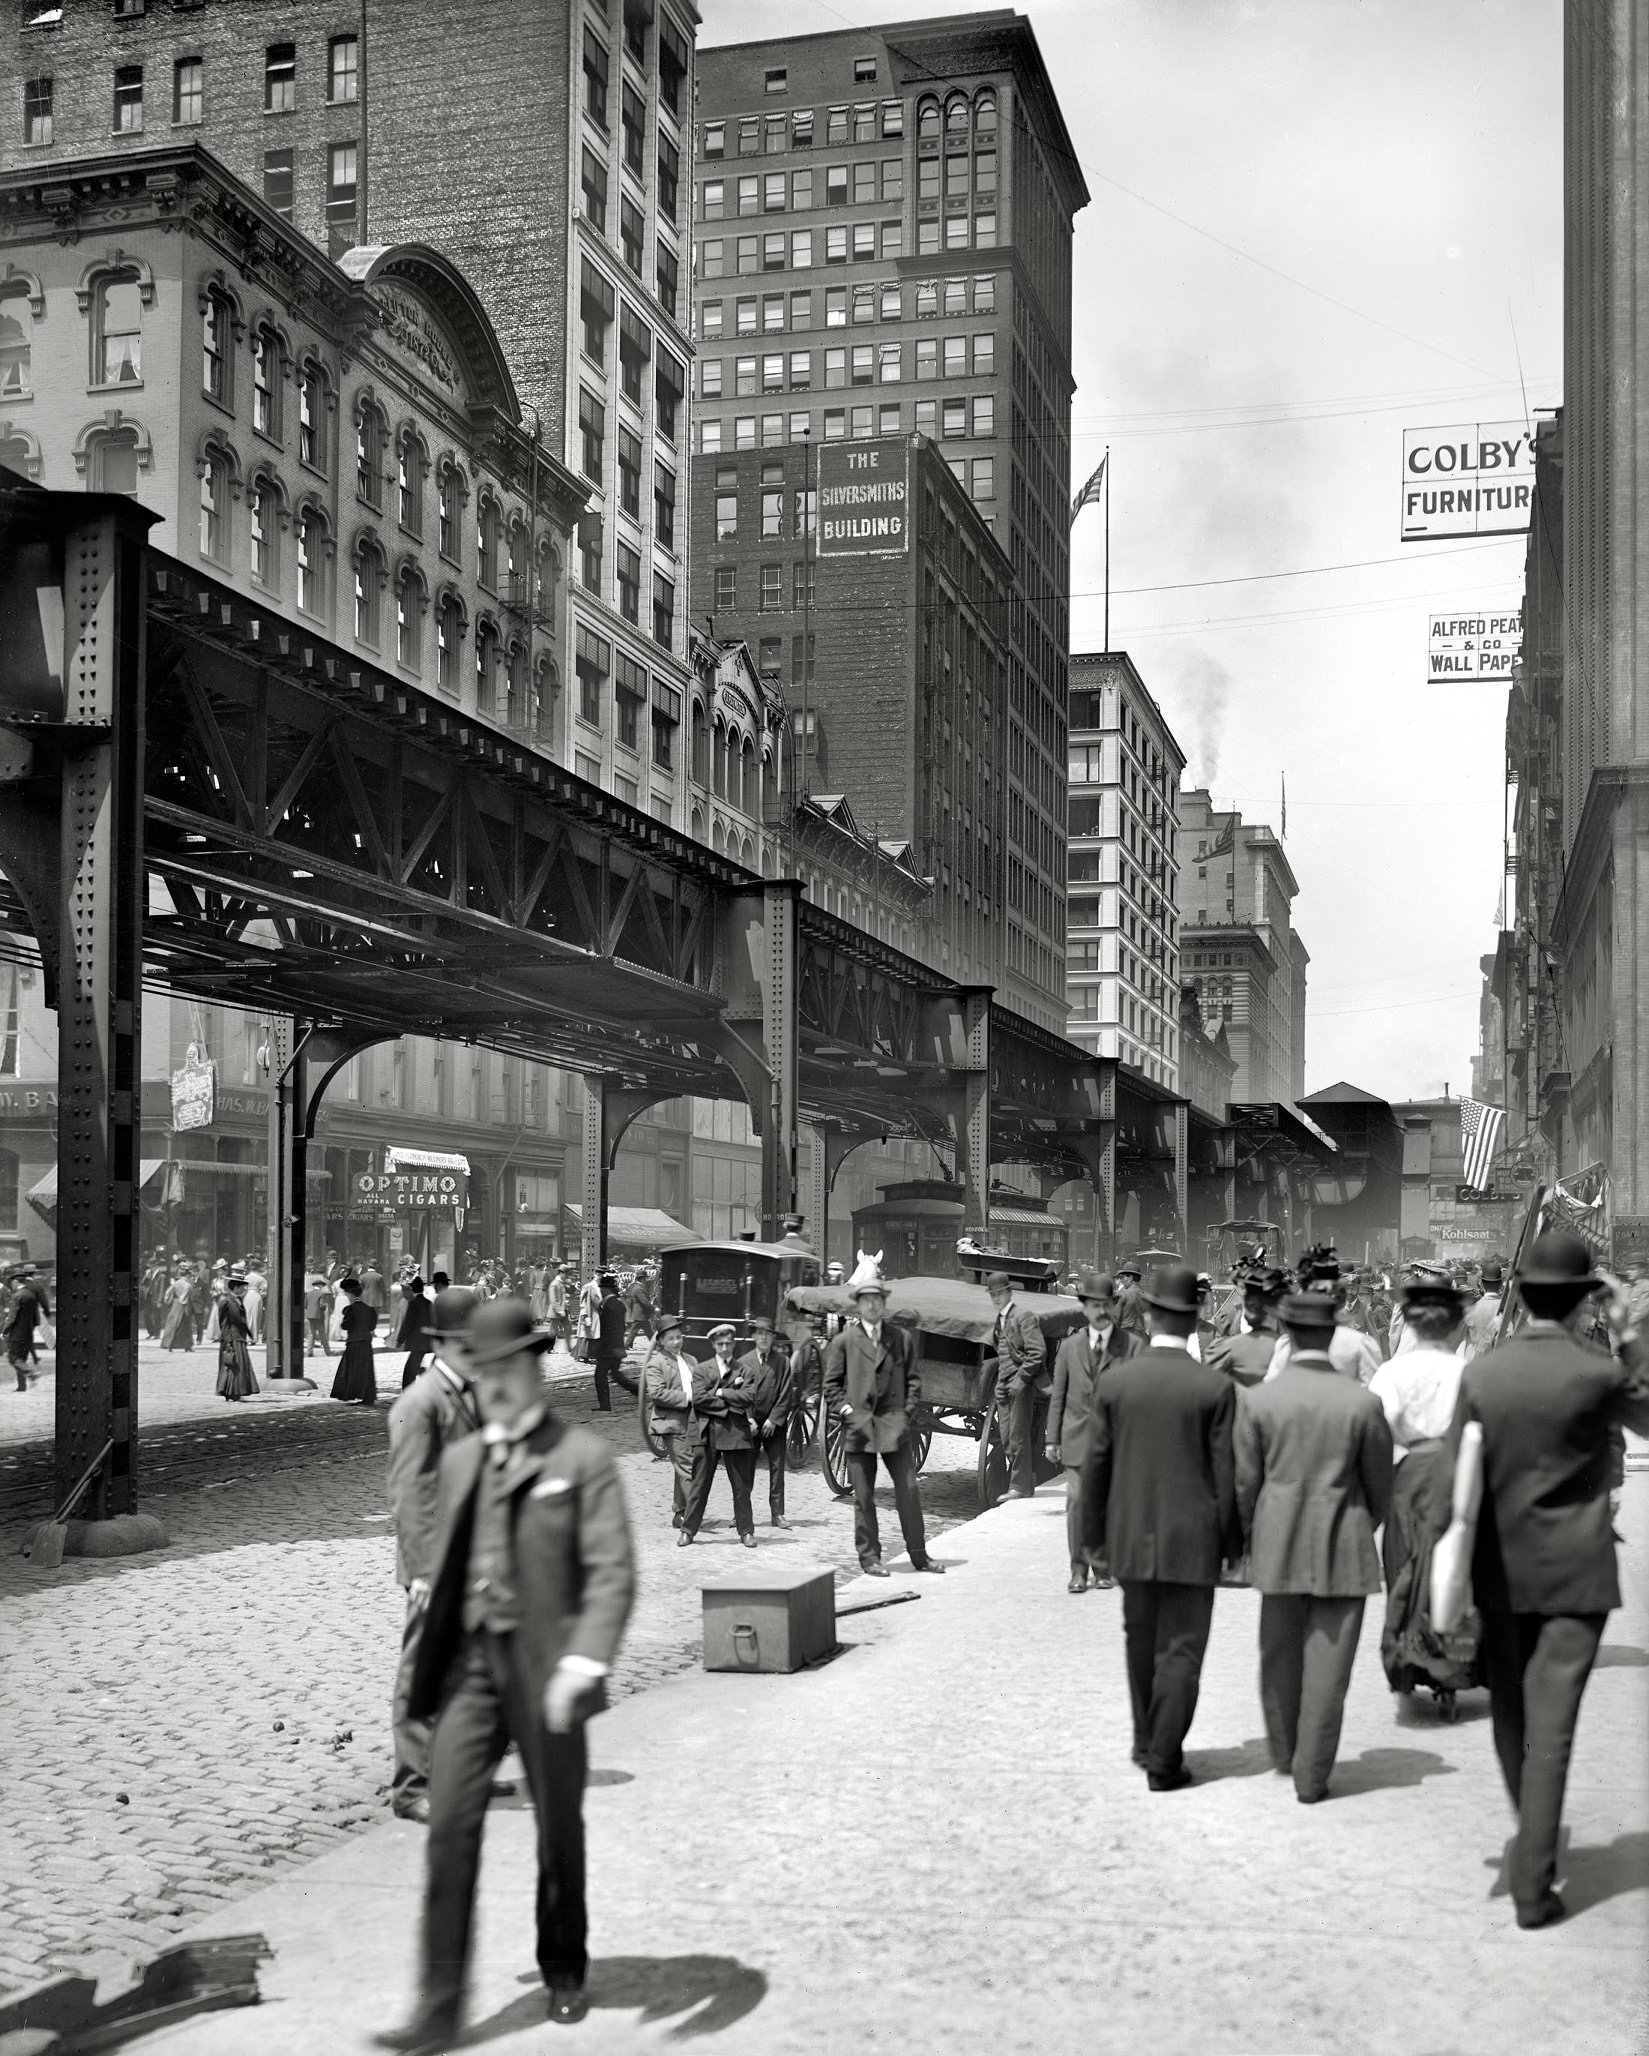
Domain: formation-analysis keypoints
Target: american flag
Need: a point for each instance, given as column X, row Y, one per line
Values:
column 1480, row 1126
column 1091, row 490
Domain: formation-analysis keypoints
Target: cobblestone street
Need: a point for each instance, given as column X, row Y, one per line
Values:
column 196, row 1720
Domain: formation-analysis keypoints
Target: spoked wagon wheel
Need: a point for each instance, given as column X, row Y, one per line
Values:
column 833, row 1456
column 649, row 1434
column 802, row 1426
column 993, row 1460
column 921, row 1438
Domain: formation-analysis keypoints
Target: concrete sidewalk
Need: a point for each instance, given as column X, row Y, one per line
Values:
column 936, row 1842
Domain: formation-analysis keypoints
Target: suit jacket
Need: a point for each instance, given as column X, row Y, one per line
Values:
column 878, row 1386
column 1313, row 1458
column 1158, row 1489
column 609, row 1338
column 574, row 1568
column 1022, row 1350
column 1131, row 1311
column 1244, row 1359
column 429, row 1416
column 732, row 1405
column 1070, row 1407
column 673, row 1413
column 1547, row 1405
column 774, row 1385
column 417, row 1319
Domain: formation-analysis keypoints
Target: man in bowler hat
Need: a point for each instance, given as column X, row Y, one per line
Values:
column 1082, row 1356
column 1543, row 1565
column 1313, row 1455
column 1159, row 1499
column 678, row 1388
column 532, row 1588
column 1023, row 1381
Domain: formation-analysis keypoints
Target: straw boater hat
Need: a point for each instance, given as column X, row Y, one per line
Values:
column 867, row 1275
column 722, row 1328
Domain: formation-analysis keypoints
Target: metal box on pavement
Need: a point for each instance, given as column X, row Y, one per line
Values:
column 769, row 1621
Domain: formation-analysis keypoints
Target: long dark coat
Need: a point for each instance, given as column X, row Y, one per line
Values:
column 1070, row 1409
column 879, row 1383
column 1158, row 1487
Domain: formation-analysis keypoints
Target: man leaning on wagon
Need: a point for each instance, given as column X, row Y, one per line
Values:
column 1098, row 1343
column 1022, row 1382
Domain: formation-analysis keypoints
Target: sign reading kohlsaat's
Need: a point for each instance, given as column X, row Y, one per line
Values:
column 864, row 499
column 1465, row 648
column 1472, row 480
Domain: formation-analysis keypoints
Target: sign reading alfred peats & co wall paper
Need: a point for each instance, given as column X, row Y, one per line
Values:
column 1477, row 479
column 1466, row 648
column 864, row 499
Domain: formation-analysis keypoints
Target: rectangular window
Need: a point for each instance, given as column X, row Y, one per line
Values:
column 744, row 431
column 803, row 586
column 750, row 136
column 593, row 184
column 277, row 182
column 592, row 430
column 629, row 697
column 633, row 120
column 128, row 108
column 340, row 182
column 710, row 319
column 772, row 598
column 835, row 246
column 984, row 355
column 669, row 383
column 801, row 249
column 887, row 363
column 835, row 424
column 893, row 118
column 801, row 129
column 836, row 185
column 746, row 310
column 836, row 307
column 773, row 134
column 593, row 662
column 773, row 314
column 595, row 78
column 801, row 427
column 835, row 368
column 772, row 513
column 672, row 66
column 807, row 516
column 927, row 357
column 629, row 473
column 927, row 413
column 864, row 363
column 984, row 295
column 773, row 373
column 635, row 350
column 864, row 239
column 631, row 230
column 801, row 190
column 596, row 302
column 664, row 507
column 747, row 255
column 713, row 199
column 280, row 78
column 864, row 183
column 715, row 139
column 773, row 251
column 984, row 478
column 727, row 585
column 836, row 125
column 343, row 75
column 801, row 370
column 188, row 92
column 664, row 609
column 956, row 356
column 955, row 417
column 744, row 377
column 984, row 173
column 590, row 545
column 801, row 310
column 864, row 304
column 893, row 238
column 727, row 516
column 37, row 111
column 669, row 178
column 984, row 231
column 629, row 582
column 984, row 414
column 773, row 193
column 887, row 419
column 864, row 124
column 955, row 296
column 893, row 178
column 862, row 429
column 712, row 258
column 665, row 276
column 927, row 239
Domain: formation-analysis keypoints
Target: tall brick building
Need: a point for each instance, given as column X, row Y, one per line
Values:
column 882, row 245
column 543, row 156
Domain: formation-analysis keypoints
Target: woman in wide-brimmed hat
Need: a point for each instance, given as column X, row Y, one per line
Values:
column 235, row 1376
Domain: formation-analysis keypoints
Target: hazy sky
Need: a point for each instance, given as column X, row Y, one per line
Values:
column 1312, row 225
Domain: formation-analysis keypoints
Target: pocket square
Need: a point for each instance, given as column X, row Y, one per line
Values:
column 550, row 1488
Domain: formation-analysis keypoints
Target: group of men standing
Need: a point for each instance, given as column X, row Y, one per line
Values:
column 727, row 1412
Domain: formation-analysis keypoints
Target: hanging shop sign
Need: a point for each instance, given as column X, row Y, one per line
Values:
column 194, row 1091
column 417, row 1181
column 1473, row 479
column 864, row 499
column 1465, row 649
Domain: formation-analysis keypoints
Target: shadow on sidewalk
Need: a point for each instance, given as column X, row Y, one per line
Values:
column 709, row 1992
column 1621, row 1656
column 1586, row 1875
column 1249, row 1759
column 1386, row 1770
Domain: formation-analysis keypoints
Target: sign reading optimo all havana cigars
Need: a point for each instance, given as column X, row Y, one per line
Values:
column 1477, row 479
column 864, row 499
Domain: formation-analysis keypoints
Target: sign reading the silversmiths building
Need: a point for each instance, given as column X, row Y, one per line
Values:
column 1477, row 479
column 864, row 499
column 1465, row 648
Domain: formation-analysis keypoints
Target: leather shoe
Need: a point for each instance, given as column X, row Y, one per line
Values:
column 778, row 1521
column 1137, row 1758
column 1079, row 1582
column 683, row 1540
column 747, row 1541
column 929, row 1568
column 876, row 1570
column 414, row 1809
column 568, row 2003
column 1175, row 1782
column 501, row 1788
column 1547, row 1913
column 428, row 2035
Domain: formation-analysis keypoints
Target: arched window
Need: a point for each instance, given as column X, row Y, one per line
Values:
column 314, row 549
column 370, row 579
column 117, row 330
column 486, row 666
column 449, row 504
column 217, row 346
column 701, row 748
column 266, row 382
column 412, row 471
column 718, row 760
column 747, row 777
column 449, row 640
column 16, row 351
column 371, row 441
column 515, row 684
column 546, row 581
column 214, row 505
column 696, row 829
column 927, row 118
column 488, row 526
column 718, row 837
column 747, row 854
column 263, row 526
column 515, row 562
column 314, row 399
column 546, row 687
column 984, row 113
column 15, row 455
column 411, row 598
column 956, row 115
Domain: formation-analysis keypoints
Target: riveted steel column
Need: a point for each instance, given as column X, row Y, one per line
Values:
column 1107, row 1254
column 781, row 900
column 593, row 1225
column 1182, row 1121
column 976, row 1122
column 100, row 1003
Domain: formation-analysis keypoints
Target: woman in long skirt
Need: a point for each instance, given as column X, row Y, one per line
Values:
column 178, row 1331
column 357, row 1379
column 235, row 1379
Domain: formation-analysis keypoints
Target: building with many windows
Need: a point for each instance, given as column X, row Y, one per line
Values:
column 882, row 246
column 1122, row 955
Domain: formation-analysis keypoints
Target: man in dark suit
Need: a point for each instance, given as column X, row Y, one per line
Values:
column 1022, row 1383
column 1098, row 1343
column 1130, row 1301
column 437, row 1409
column 678, row 1386
column 871, row 1383
column 728, row 1408
column 414, row 1336
column 1543, row 1567
column 774, row 1392
column 608, row 1343
column 1313, row 1457
column 1159, row 1498
column 532, row 1587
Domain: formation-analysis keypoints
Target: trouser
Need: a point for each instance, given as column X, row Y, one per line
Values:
column 1073, row 1520
column 771, row 1453
column 604, row 1367
column 490, row 1704
column 1165, row 1631
column 686, row 1453
column 1307, row 1646
column 1023, row 1414
column 411, row 1775
column 1537, row 1666
column 17, row 1355
column 413, row 1367
column 741, row 1475
column 317, row 1335
column 907, row 1498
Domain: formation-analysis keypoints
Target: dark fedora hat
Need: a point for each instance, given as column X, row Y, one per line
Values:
column 502, row 1327
column 1308, row 1310
column 1096, row 1285
column 1559, row 1258
column 1172, row 1289
column 1266, row 1280
column 451, row 1312
column 1493, row 1273
column 1441, row 1292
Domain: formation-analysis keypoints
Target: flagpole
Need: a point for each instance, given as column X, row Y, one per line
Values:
column 1107, row 549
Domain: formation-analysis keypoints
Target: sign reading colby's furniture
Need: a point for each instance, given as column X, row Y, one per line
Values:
column 1477, row 479
column 864, row 499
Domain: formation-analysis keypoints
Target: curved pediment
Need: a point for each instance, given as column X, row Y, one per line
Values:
column 433, row 318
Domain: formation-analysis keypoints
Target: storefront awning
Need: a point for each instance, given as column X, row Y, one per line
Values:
column 1022, row 1217
column 426, row 1160
column 42, row 1195
column 638, row 1227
